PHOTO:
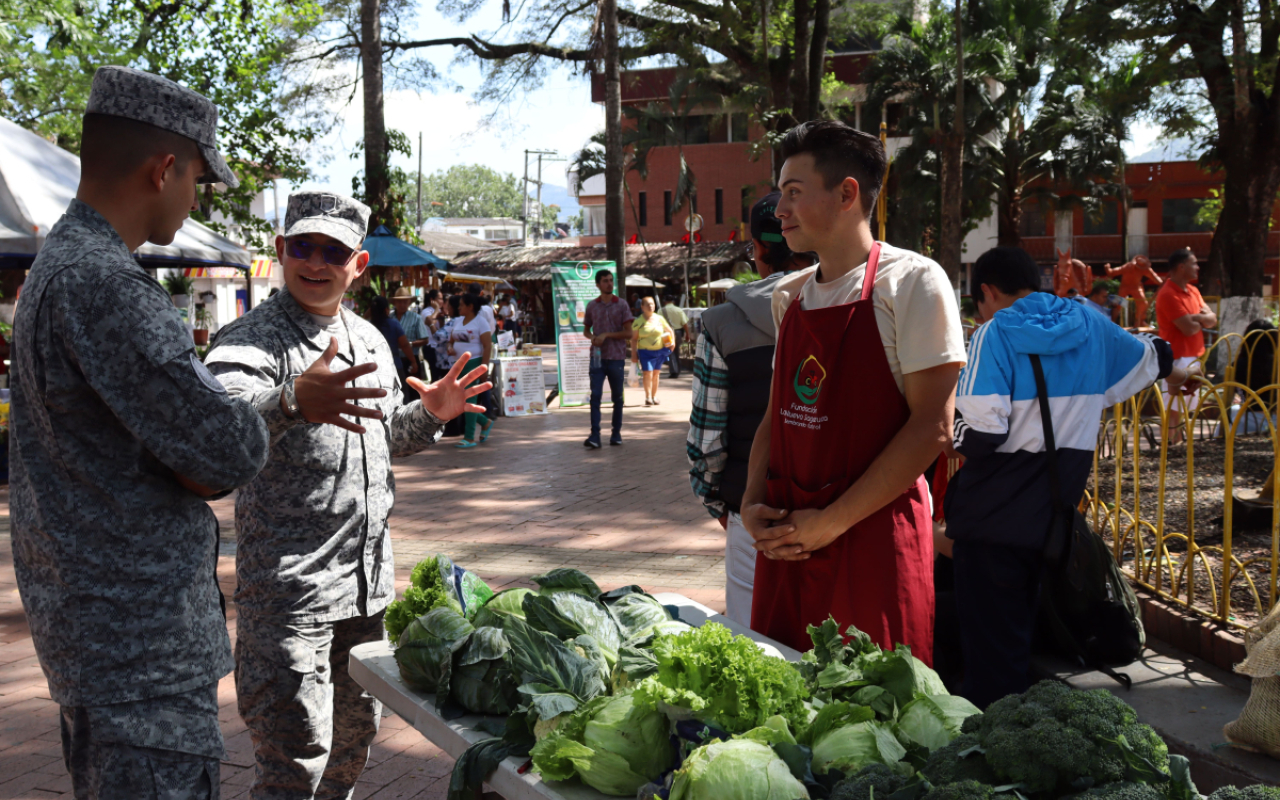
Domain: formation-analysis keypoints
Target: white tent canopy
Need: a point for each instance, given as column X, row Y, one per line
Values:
column 38, row 181
column 642, row 281
column 722, row 285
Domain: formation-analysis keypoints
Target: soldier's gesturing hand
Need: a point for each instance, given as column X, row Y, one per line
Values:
column 324, row 396
column 447, row 397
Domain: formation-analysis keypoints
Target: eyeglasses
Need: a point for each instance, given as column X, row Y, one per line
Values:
column 301, row 249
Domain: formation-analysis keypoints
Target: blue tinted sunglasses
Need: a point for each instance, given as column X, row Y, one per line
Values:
column 301, row 249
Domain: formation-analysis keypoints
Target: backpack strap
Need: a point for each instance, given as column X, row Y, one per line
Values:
column 1058, row 541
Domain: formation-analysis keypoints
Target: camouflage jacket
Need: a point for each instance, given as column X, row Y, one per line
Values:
column 312, row 538
column 114, row 559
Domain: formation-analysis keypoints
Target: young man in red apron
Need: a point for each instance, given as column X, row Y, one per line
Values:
column 869, row 347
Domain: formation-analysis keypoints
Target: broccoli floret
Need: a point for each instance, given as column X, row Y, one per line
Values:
column 1052, row 737
column 945, row 765
column 963, row 790
column 872, row 782
column 1255, row 792
column 1124, row 791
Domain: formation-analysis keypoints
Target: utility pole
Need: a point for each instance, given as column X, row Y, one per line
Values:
column 614, row 217
column 524, row 198
column 524, row 189
column 537, row 229
column 419, row 183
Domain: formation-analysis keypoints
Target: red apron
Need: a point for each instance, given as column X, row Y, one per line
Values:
column 836, row 406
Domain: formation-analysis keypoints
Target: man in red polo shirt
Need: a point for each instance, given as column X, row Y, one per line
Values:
column 1181, row 318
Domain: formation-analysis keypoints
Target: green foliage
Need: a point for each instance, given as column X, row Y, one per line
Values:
column 400, row 216
column 234, row 53
column 464, row 190
column 964, row 790
column 482, row 681
column 555, row 677
column 430, row 586
column 176, row 283
column 948, row 765
column 724, row 680
column 424, row 651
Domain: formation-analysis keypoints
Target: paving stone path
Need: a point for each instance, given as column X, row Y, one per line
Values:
column 532, row 499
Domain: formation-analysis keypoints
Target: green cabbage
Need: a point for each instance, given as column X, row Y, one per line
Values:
column 567, row 580
column 426, row 647
column 636, row 612
column 723, row 680
column 475, row 593
column 836, row 670
column 849, row 748
column 569, row 615
column 933, row 722
column 740, row 769
column 610, row 744
column 554, row 677
column 502, row 605
column 482, row 682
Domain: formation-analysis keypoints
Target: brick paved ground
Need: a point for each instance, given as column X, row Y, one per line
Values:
column 531, row 499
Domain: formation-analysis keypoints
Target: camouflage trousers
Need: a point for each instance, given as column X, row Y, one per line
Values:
column 161, row 748
column 310, row 723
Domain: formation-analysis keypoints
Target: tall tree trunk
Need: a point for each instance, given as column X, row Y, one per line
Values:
column 377, row 183
column 951, row 231
column 818, row 55
column 800, row 61
column 1009, row 212
column 1248, row 197
column 614, row 211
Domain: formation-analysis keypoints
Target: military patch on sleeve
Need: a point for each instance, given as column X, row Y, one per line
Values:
column 205, row 376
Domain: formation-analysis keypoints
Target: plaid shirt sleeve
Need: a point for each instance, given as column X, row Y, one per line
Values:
column 706, row 446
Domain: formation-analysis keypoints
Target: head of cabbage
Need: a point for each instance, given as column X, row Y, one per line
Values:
column 502, row 605
column 612, row 745
column 425, row 650
column 739, row 768
column 849, row 748
column 482, row 681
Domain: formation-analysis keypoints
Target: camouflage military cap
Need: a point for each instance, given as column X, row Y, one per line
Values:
column 334, row 215
column 141, row 96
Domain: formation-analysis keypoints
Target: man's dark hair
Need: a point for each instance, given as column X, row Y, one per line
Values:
column 433, row 294
column 602, row 274
column 1098, row 287
column 113, row 148
column 473, row 288
column 1009, row 269
column 840, row 151
column 455, row 304
column 1178, row 257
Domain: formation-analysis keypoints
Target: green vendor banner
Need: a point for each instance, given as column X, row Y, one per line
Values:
column 573, row 285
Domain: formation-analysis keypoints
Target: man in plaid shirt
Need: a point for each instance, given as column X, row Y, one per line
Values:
column 732, row 372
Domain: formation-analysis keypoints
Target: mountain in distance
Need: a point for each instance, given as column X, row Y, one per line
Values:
column 553, row 195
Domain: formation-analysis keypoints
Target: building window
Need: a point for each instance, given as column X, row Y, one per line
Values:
column 719, row 206
column 1032, row 222
column 593, row 220
column 1103, row 222
column 737, row 127
column 746, row 204
column 1179, row 216
column 666, row 208
column 643, row 210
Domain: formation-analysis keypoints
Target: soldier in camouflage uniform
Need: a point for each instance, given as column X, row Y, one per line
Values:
column 313, row 552
column 117, row 433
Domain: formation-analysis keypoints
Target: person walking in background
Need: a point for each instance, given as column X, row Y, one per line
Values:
column 607, row 324
column 679, row 322
column 651, row 343
column 415, row 330
column 999, row 504
column 401, row 352
column 732, row 371
column 471, row 340
column 1181, row 320
column 444, row 322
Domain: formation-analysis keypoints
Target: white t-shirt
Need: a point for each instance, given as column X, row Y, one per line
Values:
column 466, row 337
column 486, row 311
column 335, row 328
column 915, row 305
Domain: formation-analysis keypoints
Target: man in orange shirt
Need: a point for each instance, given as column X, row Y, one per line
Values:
column 1181, row 318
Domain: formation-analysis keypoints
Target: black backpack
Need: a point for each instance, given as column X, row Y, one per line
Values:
column 1089, row 612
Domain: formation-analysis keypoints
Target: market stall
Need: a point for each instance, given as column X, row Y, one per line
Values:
column 227, row 292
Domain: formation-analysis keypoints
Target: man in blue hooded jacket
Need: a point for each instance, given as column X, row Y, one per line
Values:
column 998, row 505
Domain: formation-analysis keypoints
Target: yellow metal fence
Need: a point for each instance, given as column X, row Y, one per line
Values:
column 1183, row 560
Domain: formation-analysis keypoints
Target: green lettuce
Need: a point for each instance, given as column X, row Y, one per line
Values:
column 723, row 680
column 506, row 603
column 836, row 670
column 430, row 586
column 740, row 769
column 610, row 744
column 425, row 650
column 482, row 682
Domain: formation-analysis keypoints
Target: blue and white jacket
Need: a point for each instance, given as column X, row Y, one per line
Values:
column 1001, row 494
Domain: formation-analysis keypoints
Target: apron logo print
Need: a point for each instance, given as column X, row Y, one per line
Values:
column 809, row 380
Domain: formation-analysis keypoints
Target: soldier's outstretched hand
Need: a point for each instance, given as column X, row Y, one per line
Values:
column 324, row 396
column 447, row 397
